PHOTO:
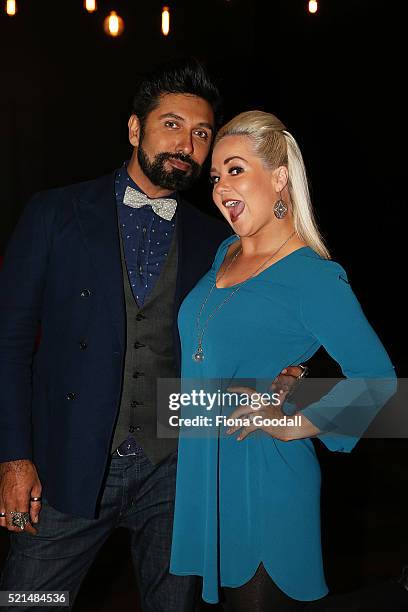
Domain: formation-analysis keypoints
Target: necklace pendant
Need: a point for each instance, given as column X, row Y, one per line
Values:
column 198, row 355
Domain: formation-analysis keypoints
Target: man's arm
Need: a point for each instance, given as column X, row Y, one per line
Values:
column 22, row 282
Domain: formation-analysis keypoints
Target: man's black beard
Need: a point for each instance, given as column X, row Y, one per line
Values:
column 176, row 180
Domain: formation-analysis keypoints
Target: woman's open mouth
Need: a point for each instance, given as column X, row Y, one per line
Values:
column 235, row 208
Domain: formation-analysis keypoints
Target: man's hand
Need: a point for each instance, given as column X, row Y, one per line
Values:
column 18, row 483
column 287, row 380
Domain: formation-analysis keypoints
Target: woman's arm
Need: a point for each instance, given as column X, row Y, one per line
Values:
column 331, row 313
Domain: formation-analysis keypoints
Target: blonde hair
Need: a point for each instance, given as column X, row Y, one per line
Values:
column 276, row 147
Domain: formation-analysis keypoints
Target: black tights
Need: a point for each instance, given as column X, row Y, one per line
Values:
column 260, row 594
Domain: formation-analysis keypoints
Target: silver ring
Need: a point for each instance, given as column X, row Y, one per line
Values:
column 19, row 519
column 35, row 499
column 2, row 515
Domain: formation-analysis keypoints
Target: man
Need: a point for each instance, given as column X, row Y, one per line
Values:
column 104, row 269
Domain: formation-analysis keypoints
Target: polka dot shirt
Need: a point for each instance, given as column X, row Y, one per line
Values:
column 146, row 239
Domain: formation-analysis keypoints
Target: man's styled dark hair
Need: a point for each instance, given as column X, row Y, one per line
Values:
column 182, row 76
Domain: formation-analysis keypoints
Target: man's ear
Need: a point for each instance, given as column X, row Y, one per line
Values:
column 134, row 130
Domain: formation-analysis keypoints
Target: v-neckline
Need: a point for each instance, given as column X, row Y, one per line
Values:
column 282, row 259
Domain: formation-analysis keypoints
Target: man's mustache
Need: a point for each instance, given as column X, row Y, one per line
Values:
column 184, row 157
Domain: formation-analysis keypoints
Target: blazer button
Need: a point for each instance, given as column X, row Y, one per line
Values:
column 138, row 428
column 138, row 374
column 140, row 316
column 83, row 345
column 135, row 403
column 70, row 396
column 85, row 293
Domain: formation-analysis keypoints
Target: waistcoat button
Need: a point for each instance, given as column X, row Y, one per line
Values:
column 138, row 344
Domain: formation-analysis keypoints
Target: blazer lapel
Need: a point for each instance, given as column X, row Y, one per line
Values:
column 188, row 269
column 97, row 217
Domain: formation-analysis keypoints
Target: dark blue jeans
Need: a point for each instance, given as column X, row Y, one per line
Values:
column 138, row 496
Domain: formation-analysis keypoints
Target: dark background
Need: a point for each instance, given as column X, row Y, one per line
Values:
column 336, row 79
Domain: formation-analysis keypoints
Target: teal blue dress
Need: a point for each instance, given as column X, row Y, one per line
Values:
column 258, row 500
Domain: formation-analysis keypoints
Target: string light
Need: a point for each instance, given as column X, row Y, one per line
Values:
column 313, row 6
column 11, row 7
column 113, row 24
column 90, row 5
column 165, row 20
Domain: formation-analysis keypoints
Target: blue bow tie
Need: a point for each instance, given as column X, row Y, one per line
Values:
column 163, row 207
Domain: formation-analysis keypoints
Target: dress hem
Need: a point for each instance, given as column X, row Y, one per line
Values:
column 244, row 581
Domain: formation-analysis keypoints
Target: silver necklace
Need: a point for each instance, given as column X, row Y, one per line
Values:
column 198, row 355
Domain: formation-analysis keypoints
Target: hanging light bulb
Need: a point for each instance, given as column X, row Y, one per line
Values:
column 165, row 20
column 11, row 7
column 313, row 6
column 113, row 24
column 90, row 5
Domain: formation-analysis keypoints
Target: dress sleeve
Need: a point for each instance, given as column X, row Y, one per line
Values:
column 332, row 314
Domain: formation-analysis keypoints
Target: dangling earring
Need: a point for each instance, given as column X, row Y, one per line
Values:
column 280, row 209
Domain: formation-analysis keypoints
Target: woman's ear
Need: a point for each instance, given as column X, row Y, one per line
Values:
column 134, row 130
column 280, row 177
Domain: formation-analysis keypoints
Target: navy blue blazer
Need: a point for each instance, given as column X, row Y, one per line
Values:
column 62, row 270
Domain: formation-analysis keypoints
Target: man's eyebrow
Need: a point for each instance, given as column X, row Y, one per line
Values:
column 179, row 118
column 206, row 125
column 173, row 115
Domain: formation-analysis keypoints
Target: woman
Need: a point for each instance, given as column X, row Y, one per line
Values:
column 247, row 506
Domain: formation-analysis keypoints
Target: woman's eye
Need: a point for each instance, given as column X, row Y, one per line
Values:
column 235, row 170
column 214, row 179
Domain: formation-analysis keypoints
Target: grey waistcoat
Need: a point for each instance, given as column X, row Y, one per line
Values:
column 149, row 355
